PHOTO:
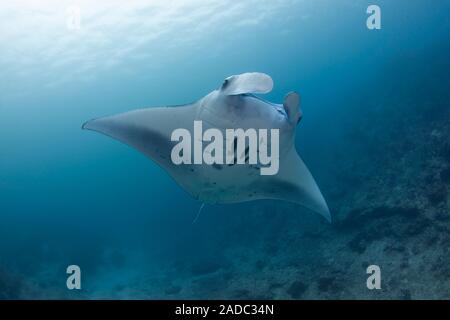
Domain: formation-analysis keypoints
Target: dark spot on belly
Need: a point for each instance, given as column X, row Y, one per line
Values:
column 217, row 166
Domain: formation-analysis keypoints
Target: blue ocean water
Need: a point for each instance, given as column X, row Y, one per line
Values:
column 374, row 135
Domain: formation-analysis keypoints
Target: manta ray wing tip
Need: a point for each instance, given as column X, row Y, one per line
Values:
column 325, row 212
column 328, row 217
column 87, row 125
column 84, row 126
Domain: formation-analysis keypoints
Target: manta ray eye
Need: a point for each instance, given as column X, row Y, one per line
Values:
column 225, row 83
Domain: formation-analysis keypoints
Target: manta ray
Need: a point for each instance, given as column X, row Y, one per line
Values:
column 233, row 105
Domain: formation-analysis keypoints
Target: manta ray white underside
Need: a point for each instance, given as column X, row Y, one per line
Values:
column 233, row 105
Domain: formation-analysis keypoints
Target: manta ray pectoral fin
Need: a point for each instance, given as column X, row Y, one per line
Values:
column 148, row 130
column 251, row 82
column 294, row 183
column 291, row 104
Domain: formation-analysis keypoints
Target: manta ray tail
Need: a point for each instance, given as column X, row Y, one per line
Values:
column 198, row 213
